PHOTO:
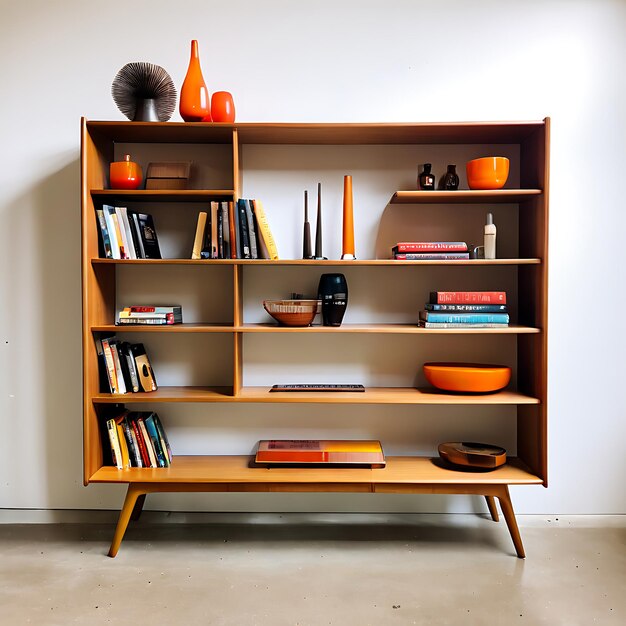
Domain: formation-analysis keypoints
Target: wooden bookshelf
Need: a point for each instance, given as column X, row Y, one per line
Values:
column 409, row 475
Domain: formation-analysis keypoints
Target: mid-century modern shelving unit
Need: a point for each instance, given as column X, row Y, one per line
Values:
column 403, row 474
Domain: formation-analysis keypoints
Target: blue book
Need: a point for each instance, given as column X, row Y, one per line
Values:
column 156, row 442
column 465, row 318
column 104, row 233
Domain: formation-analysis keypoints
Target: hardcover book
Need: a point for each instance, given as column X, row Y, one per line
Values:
column 468, row 297
column 464, row 318
column 430, row 246
column 320, row 452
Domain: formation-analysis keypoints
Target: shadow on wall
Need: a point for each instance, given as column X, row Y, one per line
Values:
column 46, row 358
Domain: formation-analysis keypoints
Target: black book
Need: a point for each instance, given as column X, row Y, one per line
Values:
column 122, row 352
column 220, row 233
column 237, row 242
column 251, row 230
column 148, row 236
column 135, row 235
column 103, row 376
column 136, row 228
column 130, row 367
column 243, row 229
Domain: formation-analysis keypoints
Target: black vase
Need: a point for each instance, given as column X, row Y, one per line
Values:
column 333, row 292
column 450, row 180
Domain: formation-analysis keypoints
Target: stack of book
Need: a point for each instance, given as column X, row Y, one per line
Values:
column 138, row 439
column 124, row 367
column 430, row 250
column 171, row 314
column 465, row 309
column 234, row 231
column 127, row 234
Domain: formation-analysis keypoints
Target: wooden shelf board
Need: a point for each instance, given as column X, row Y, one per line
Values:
column 317, row 133
column 162, row 195
column 164, row 328
column 234, row 473
column 372, row 395
column 302, row 262
column 397, row 329
column 169, row 394
column 386, row 329
column 464, row 196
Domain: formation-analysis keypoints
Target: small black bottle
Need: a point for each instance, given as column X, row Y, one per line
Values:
column 450, row 180
column 333, row 292
column 426, row 179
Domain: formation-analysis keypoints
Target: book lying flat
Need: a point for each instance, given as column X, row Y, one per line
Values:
column 320, row 452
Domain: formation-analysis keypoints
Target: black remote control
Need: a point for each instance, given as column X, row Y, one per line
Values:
column 310, row 387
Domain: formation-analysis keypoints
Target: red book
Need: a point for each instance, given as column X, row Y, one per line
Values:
column 430, row 246
column 145, row 459
column 468, row 297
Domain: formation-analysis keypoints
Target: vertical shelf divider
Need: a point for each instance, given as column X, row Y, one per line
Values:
column 237, row 322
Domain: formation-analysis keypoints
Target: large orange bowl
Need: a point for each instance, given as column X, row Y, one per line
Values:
column 467, row 377
column 487, row 173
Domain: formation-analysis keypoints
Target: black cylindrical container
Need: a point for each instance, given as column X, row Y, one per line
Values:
column 333, row 292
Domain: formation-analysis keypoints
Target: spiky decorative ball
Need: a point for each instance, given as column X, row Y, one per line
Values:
column 144, row 81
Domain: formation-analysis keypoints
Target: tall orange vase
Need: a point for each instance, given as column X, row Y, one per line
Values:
column 194, row 96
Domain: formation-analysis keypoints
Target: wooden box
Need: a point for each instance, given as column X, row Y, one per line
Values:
column 168, row 175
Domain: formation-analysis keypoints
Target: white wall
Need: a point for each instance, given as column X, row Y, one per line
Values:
column 326, row 61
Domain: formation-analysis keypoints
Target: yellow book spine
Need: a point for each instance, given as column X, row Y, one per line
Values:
column 123, row 447
column 197, row 242
column 264, row 228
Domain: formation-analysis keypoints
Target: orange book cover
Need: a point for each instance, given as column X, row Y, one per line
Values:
column 317, row 451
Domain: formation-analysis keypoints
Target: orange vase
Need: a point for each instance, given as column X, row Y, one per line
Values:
column 222, row 107
column 125, row 174
column 194, row 96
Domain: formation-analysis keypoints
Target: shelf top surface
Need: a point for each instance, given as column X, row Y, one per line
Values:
column 317, row 133
column 407, row 470
column 464, row 196
column 372, row 395
column 313, row 262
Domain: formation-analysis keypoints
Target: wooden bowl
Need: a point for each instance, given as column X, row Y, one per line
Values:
column 487, row 173
column 470, row 454
column 292, row 312
column 467, row 377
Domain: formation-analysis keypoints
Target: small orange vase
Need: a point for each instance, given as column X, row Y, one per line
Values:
column 222, row 107
column 194, row 96
column 125, row 174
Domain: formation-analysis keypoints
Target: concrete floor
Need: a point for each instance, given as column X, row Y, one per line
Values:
column 316, row 569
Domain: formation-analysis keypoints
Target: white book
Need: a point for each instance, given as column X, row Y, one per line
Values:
column 115, row 246
column 129, row 232
column 122, row 232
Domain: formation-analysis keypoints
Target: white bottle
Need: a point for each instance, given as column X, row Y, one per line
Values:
column 490, row 238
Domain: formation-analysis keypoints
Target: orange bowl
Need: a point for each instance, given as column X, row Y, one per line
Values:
column 487, row 173
column 467, row 377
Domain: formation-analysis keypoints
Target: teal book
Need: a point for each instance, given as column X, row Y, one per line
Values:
column 156, row 442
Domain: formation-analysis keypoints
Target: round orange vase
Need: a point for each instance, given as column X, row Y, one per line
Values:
column 194, row 96
column 125, row 174
column 222, row 107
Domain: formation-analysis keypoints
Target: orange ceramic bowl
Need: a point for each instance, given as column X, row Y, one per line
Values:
column 487, row 173
column 467, row 377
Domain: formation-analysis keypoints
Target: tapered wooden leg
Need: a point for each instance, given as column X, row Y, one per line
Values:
column 509, row 516
column 129, row 504
column 491, row 505
column 134, row 516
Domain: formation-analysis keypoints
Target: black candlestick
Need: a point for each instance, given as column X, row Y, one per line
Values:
column 318, row 229
column 306, row 240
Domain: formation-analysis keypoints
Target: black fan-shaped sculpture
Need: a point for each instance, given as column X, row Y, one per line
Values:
column 144, row 92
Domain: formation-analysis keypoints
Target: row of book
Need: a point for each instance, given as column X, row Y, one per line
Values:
column 126, row 234
column 138, row 439
column 150, row 315
column 234, row 231
column 124, row 367
column 430, row 251
column 465, row 309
